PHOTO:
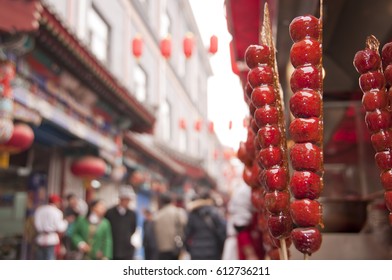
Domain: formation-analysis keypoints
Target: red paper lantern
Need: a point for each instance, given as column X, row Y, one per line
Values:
column 166, row 47
column 182, row 123
column 213, row 45
column 198, row 125
column 188, row 45
column 211, row 127
column 89, row 167
column 22, row 138
column 137, row 46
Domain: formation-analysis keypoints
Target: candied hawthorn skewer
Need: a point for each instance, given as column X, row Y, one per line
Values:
column 306, row 131
column 373, row 84
column 268, row 116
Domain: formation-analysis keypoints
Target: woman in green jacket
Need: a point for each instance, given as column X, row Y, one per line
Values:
column 92, row 234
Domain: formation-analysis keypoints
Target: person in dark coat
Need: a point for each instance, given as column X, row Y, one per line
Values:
column 205, row 231
column 149, row 242
column 123, row 223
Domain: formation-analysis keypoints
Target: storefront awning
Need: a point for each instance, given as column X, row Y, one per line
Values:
column 33, row 17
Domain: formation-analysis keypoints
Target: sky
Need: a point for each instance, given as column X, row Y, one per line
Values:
column 225, row 94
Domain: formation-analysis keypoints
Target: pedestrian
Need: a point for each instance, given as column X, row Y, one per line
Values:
column 169, row 225
column 71, row 213
column 123, row 223
column 49, row 222
column 149, row 242
column 92, row 234
column 205, row 232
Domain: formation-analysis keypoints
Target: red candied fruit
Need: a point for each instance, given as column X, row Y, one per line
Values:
column 382, row 140
column 274, row 179
column 306, row 104
column 305, row 77
column 375, row 99
column 269, row 135
column 306, row 156
column 367, row 60
column 305, row 130
column 257, row 198
column 274, row 254
column 306, row 212
column 262, row 223
column 388, row 74
column 262, row 75
column 388, row 200
column 306, row 240
column 384, row 160
column 266, row 115
column 270, row 157
column 304, row 27
column 371, row 80
column 386, row 54
column 386, row 180
column 256, row 55
column 305, row 52
column 377, row 120
column 305, row 184
column 277, row 202
column 263, row 95
column 243, row 156
column 247, row 175
column 280, row 226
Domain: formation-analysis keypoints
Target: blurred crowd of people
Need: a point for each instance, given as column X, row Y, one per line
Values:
column 196, row 229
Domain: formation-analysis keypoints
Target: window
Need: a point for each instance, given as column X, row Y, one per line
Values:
column 98, row 35
column 165, row 25
column 166, row 120
column 140, row 79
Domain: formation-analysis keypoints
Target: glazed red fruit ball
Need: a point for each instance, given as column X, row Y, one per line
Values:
column 256, row 55
column 305, row 104
column 262, row 75
column 263, row 95
column 388, row 74
column 277, row 202
column 386, row 54
column 371, row 80
column 274, row 179
column 367, row 60
column 254, row 179
column 306, row 240
column 269, row 135
column 375, row 99
column 306, row 212
column 388, row 200
column 384, row 160
column 280, row 226
column 247, row 175
column 304, row 27
column 305, row 130
column 257, row 198
column 305, row 77
column 266, row 115
column 305, row 52
column 262, row 223
column 306, row 156
column 270, row 157
column 305, row 184
column 378, row 120
column 386, row 180
column 382, row 140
